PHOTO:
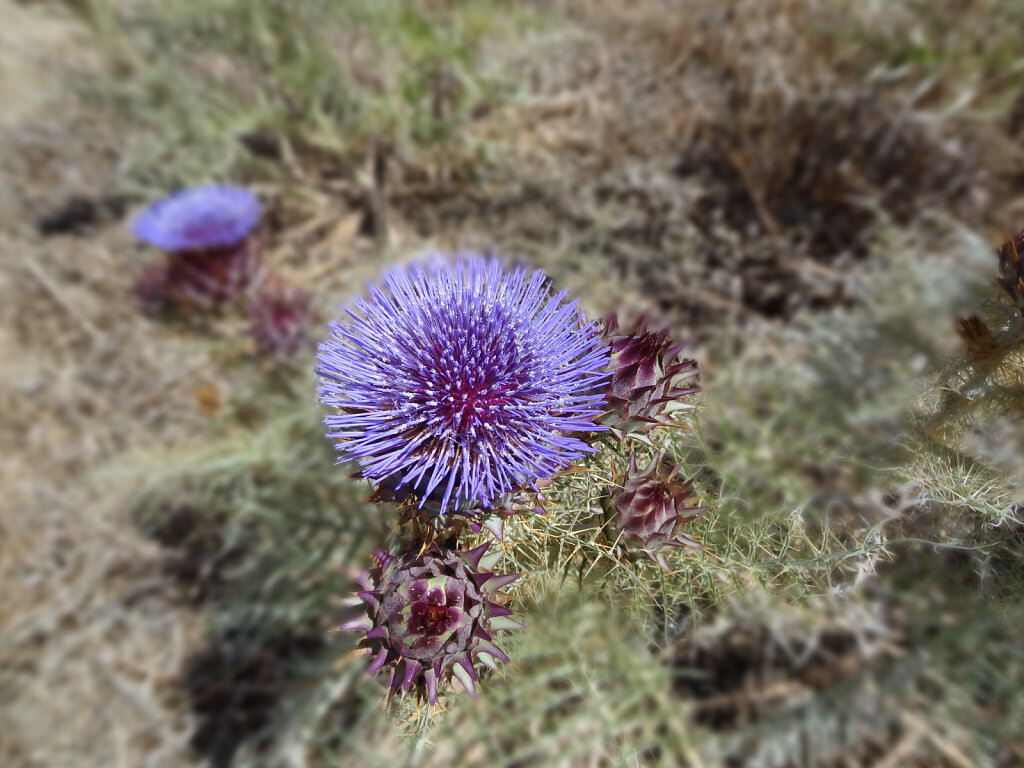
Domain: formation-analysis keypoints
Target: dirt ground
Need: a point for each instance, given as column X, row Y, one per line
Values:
column 92, row 633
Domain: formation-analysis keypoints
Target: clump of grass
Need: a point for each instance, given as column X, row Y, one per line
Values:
column 578, row 693
column 249, row 86
column 916, row 42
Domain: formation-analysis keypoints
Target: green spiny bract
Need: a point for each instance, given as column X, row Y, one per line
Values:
column 430, row 616
column 652, row 507
column 648, row 373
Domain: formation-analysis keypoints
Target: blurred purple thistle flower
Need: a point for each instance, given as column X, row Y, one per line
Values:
column 205, row 233
column 462, row 382
column 199, row 218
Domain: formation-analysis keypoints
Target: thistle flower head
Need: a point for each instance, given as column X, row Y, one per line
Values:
column 199, row 218
column 462, row 382
column 648, row 375
column 210, row 257
column 653, row 507
column 430, row 617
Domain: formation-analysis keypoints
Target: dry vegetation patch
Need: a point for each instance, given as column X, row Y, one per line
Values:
column 797, row 186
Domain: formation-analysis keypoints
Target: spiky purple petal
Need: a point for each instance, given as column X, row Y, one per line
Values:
column 378, row 661
column 472, row 556
column 495, row 583
column 363, row 622
column 464, row 672
column 506, row 623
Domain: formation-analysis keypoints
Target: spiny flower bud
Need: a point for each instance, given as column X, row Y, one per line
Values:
column 430, row 616
column 648, row 373
column 653, row 507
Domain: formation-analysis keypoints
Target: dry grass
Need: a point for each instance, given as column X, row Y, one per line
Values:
column 86, row 613
column 791, row 184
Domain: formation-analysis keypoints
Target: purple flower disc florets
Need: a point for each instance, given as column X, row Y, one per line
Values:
column 199, row 218
column 462, row 382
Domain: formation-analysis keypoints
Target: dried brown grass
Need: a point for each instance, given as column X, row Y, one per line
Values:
column 729, row 162
column 717, row 159
column 92, row 634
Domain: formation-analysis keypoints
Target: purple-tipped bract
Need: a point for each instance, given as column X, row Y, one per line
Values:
column 199, row 218
column 462, row 382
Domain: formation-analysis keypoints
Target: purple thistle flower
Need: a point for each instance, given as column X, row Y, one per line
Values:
column 462, row 382
column 210, row 257
column 199, row 218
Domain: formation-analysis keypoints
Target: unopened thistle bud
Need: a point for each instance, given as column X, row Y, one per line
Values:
column 1011, row 267
column 430, row 616
column 279, row 318
column 649, row 377
column 653, row 507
